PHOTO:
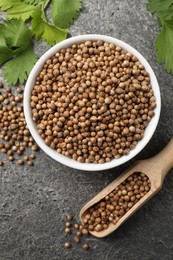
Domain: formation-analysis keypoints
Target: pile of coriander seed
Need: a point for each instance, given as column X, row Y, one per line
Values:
column 92, row 102
column 117, row 203
column 78, row 232
column 15, row 138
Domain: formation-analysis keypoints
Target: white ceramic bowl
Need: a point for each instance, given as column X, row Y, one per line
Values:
column 71, row 162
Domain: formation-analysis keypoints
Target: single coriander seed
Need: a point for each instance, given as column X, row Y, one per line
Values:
column 67, row 230
column 67, row 245
column 30, row 163
column 69, row 217
column 68, row 224
column 1, row 163
column 85, row 246
column 20, row 162
column 76, row 239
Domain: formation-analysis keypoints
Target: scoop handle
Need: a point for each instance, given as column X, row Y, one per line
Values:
column 164, row 160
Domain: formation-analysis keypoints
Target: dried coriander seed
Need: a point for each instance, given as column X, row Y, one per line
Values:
column 117, row 203
column 76, row 239
column 84, row 231
column 76, row 225
column 85, row 246
column 101, row 98
column 1, row 163
column 67, row 245
column 26, row 158
column 69, row 217
column 79, row 233
column 20, row 162
column 15, row 136
column 11, row 158
column 30, row 163
column 32, row 156
column 68, row 224
column 67, row 230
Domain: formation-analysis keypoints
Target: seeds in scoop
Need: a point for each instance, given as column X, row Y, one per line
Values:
column 117, row 203
column 90, row 104
column 67, row 245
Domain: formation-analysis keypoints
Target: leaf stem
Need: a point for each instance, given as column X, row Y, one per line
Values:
column 45, row 4
column 43, row 7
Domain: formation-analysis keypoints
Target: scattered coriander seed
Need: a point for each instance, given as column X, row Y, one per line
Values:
column 30, row 163
column 32, row 156
column 84, row 231
column 1, row 163
column 20, row 162
column 14, row 133
column 69, row 217
column 19, row 90
column 78, row 233
column 26, row 158
column 76, row 225
column 34, row 148
column 85, row 246
column 67, row 230
column 76, row 239
column 67, row 245
column 11, row 158
column 10, row 152
column 68, row 224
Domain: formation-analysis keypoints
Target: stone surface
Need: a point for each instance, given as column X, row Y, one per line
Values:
column 33, row 208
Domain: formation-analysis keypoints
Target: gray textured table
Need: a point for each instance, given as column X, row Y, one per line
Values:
column 33, row 208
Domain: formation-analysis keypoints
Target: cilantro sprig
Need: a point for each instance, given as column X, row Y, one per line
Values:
column 164, row 42
column 26, row 19
column 16, row 51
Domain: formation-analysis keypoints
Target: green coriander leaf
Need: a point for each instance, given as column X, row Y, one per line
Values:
column 46, row 2
column 14, row 38
column 17, row 9
column 158, row 5
column 5, row 52
column 33, row 2
column 16, row 50
column 17, row 70
column 166, row 15
column 46, row 31
column 16, row 33
column 164, row 41
column 64, row 12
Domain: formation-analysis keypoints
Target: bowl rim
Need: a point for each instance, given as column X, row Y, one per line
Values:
column 149, row 131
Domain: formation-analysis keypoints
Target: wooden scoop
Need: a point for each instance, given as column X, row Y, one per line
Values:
column 155, row 168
